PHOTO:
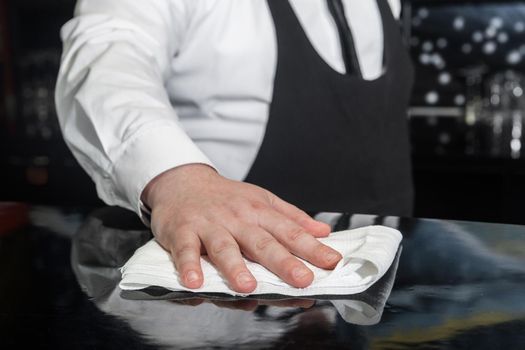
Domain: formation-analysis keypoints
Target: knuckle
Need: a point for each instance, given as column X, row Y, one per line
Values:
column 289, row 262
column 258, row 205
column 300, row 214
column 295, row 234
column 264, row 243
column 240, row 210
column 184, row 249
column 237, row 213
column 186, row 216
column 222, row 246
column 319, row 252
column 187, row 223
column 184, row 227
column 214, row 214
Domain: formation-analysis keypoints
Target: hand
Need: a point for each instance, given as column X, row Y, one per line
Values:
column 196, row 211
column 248, row 304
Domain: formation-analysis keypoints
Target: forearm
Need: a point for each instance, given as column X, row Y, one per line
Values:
column 113, row 109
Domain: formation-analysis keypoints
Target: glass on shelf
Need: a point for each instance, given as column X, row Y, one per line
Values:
column 501, row 118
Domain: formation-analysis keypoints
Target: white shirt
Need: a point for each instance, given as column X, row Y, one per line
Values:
column 146, row 86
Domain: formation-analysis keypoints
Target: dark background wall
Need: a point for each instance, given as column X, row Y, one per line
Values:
column 465, row 118
column 467, row 108
column 36, row 164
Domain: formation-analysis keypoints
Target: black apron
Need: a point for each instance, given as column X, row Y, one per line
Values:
column 336, row 142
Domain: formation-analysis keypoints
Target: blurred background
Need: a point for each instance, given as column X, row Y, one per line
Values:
column 466, row 115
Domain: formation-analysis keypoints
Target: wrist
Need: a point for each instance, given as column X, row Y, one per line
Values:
column 174, row 178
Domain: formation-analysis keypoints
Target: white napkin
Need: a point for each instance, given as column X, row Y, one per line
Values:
column 367, row 254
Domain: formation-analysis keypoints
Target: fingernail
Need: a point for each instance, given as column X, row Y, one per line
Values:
column 244, row 278
column 331, row 256
column 192, row 276
column 299, row 272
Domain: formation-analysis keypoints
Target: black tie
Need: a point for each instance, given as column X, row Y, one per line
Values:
column 345, row 36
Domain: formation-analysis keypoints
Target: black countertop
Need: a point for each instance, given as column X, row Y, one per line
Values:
column 455, row 285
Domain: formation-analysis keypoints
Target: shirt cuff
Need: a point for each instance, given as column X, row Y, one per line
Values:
column 144, row 213
column 146, row 155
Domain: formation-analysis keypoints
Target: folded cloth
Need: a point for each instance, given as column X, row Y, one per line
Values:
column 367, row 254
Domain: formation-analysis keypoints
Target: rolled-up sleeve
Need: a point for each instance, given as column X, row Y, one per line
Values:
column 113, row 109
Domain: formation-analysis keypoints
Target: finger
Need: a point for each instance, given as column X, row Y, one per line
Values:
column 297, row 240
column 245, row 305
column 190, row 302
column 186, row 252
column 302, row 303
column 262, row 247
column 312, row 226
column 224, row 252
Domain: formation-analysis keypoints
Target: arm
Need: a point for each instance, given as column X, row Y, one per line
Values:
column 117, row 119
column 113, row 109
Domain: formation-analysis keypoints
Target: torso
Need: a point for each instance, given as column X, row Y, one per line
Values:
column 336, row 142
column 221, row 82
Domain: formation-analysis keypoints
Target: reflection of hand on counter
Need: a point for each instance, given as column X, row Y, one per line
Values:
column 229, row 323
column 248, row 304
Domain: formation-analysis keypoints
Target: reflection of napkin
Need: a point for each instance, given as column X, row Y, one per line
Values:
column 367, row 254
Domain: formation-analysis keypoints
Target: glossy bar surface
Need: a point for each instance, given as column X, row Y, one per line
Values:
column 454, row 285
